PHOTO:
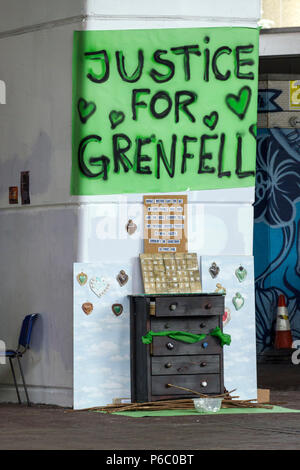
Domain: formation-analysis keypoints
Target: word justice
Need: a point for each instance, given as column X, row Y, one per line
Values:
column 204, row 63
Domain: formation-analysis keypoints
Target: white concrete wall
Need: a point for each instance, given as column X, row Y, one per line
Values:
column 17, row 14
column 279, row 43
column 40, row 242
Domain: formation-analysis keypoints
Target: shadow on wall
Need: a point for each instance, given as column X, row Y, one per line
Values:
column 36, row 272
column 38, row 162
column 2, row 92
column 37, row 338
column 277, row 230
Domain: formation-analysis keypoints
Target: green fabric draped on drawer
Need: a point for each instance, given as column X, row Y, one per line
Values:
column 188, row 337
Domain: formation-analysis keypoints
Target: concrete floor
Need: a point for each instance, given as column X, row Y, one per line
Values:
column 44, row 427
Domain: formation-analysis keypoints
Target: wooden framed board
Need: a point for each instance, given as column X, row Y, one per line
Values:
column 165, row 224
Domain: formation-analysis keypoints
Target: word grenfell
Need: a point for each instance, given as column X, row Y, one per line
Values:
column 150, row 156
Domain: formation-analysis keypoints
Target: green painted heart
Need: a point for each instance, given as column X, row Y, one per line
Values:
column 116, row 118
column 211, row 120
column 85, row 109
column 238, row 104
column 117, row 309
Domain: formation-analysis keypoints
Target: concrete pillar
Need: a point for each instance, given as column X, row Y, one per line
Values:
column 40, row 241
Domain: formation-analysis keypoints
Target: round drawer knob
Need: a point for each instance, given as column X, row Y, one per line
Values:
column 170, row 345
column 204, row 345
column 203, row 364
column 173, row 307
column 204, row 383
column 202, row 325
column 168, row 365
column 208, row 306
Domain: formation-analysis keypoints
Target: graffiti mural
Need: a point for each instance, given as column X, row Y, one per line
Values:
column 276, row 230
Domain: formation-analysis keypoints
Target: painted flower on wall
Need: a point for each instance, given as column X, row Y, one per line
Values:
column 277, row 179
column 276, row 196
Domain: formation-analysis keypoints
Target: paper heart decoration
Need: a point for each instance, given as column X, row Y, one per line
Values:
column 238, row 104
column 241, row 273
column 82, row 278
column 99, row 286
column 238, row 301
column 227, row 316
column 214, row 270
column 131, row 227
column 211, row 120
column 122, row 278
column 117, row 309
column 87, row 307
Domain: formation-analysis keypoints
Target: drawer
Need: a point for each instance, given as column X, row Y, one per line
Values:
column 189, row 306
column 170, row 365
column 164, row 346
column 191, row 324
column 194, row 382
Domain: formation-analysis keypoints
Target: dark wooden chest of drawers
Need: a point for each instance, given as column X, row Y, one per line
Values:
column 197, row 366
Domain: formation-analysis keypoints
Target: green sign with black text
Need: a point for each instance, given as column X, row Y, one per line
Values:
column 164, row 110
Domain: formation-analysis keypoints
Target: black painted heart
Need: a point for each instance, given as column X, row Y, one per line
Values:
column 85, row 109
column 239, row 104
column 211, row 120
column 116, row 118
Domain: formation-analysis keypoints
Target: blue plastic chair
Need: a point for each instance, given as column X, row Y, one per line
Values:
column 24, row 343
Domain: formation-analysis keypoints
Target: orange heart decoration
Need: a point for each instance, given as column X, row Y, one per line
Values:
column 87, row 307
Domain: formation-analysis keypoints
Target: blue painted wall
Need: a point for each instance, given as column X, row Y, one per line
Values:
column 276, row 230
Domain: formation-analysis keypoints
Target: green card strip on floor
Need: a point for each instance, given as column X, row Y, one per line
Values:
column 223, row 411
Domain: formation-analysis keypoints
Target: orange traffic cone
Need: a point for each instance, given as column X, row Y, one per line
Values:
column 283, row 337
